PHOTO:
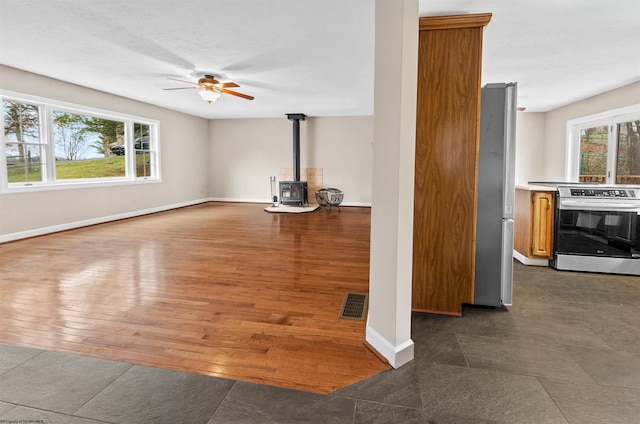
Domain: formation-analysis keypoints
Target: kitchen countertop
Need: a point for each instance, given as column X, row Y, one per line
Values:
column 534, row 187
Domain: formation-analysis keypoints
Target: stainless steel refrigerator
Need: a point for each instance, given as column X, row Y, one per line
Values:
column 496, row 192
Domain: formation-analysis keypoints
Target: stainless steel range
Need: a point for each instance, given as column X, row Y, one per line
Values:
column 597, row 229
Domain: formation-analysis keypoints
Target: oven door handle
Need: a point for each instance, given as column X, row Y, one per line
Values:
column 598, row 206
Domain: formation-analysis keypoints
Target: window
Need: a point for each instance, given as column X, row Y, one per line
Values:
column 628, row 154
column 53, row 145
column 605, row 148
column 142, row 150
column 82, row 146
column 23, row 148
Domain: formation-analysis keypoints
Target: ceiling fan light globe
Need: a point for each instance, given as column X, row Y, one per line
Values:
column 209, row 96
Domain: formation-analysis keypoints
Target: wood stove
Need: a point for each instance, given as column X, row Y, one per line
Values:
column 294, row 193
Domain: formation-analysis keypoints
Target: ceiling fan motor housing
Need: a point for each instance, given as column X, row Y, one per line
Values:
column 208, row 81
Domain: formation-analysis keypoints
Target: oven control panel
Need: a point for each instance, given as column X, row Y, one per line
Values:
column 598, row 192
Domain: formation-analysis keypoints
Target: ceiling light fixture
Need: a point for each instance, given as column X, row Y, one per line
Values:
column 209, row 95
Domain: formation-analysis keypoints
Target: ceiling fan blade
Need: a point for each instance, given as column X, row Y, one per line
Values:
column 188, row 82
column 181, row 88
column 235, row 93
column 229, row 84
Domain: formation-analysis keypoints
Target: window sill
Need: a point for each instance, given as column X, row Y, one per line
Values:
column 39, row 187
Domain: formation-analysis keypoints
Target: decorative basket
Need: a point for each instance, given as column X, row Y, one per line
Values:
column 329, row 197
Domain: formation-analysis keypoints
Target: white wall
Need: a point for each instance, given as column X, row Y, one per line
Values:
column 183, row 138
column 530, row 129
column 554, row 158
column 244, row 153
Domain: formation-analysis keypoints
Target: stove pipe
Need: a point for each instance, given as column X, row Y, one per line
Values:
column 296, row 118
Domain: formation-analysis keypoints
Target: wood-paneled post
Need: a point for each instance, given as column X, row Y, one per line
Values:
column 447, row 140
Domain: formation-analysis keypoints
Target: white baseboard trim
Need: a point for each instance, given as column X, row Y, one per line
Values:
column 228, row 199
column 530, row 261
column 100, row 220
column 357, row 204
column 396, row 355
column 236, row 200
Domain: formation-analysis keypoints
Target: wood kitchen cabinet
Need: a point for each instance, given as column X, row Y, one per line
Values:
column 533, row 223
column 446, row 158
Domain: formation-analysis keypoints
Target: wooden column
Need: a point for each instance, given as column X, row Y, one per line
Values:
column 447, row 138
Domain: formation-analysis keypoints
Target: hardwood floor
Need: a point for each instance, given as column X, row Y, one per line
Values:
column 224, row 289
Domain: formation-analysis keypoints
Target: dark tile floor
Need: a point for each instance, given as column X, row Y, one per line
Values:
column 568, row 351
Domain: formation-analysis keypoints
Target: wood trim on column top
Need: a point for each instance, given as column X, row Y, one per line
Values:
column 454, row 21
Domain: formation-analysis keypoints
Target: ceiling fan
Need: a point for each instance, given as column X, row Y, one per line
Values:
column 211, row 88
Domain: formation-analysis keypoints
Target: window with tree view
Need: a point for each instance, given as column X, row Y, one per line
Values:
column 45, row 145
column 83, row 146
column 628, row 157
column 607, row 148
column 593, row 153
column 23, row 149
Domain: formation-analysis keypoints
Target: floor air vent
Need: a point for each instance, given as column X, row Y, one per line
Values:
column 354, row 306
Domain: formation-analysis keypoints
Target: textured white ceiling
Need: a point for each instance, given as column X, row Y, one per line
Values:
column 308, row 56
